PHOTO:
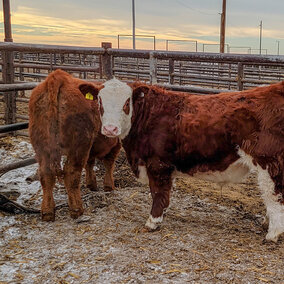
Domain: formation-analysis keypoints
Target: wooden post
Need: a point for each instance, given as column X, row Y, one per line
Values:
column 153, row 69
column 8, row 68
column 106, row 62
column 84, row 63
column 133, row 24
column 21, row 70
column 240, row 76
column 8, row 78
column 7, row 21
column 62, row 59
column 171, row 71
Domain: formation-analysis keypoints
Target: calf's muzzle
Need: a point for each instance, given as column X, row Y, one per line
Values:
column 110, row 130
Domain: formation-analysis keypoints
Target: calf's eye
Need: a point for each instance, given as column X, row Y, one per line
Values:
column 126, row 107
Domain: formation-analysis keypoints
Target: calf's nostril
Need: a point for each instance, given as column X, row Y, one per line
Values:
column 110, row 130
column 105, row 130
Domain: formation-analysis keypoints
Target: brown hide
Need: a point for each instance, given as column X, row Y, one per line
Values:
column 200, row 133
column 64, row 122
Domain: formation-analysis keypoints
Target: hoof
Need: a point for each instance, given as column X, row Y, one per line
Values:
column 74, row 214
column 48, row 216
column 272, row 237
column 108, row 188
column 153, row 223
column 92, row 187
column 146, row 229
column 83, row 219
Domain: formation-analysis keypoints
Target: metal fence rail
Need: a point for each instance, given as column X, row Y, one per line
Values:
column 25, row 65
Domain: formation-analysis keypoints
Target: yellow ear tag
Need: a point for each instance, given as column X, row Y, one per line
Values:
column 89, row 96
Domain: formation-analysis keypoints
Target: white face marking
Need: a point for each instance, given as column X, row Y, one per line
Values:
column 115, row 122
column 143, row 177
column 153, row 222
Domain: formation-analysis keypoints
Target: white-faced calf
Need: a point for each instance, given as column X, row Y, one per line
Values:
column 219, row 138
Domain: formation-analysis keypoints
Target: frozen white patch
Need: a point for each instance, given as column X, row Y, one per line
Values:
column 15, row 180
column 143, row 177
column 113, row 96
column 275, row 210
column 153, row 222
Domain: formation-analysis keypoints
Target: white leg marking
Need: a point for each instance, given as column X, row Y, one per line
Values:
column 153, row 222
column 275, row 210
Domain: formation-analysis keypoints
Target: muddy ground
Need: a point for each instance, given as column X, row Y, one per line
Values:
column 209, row 234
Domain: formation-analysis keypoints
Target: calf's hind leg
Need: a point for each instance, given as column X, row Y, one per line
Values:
column 108, row 161
column 91, row 181
column 47, row 180
column 275, row 210
column 72, row 177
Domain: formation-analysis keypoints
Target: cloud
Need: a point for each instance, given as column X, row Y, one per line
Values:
column 98, row 21
column 29, row 21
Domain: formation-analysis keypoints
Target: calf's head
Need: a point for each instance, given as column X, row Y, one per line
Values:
column 116, row 100
column 115, row 103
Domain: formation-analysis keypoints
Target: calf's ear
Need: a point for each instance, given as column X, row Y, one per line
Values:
column 89, row 91
column 139, row 92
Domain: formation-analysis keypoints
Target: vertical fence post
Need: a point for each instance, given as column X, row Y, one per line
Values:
column 7, row 21
column 8, row 78
column 171, row 71
column 240, row 76
column 21, row 71
column 50, row 61
column 106, row 62
column 153, row 69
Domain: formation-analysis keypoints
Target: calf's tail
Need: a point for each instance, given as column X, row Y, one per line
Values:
column 54, row 83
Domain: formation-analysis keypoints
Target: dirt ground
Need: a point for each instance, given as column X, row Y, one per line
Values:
column 209, row 235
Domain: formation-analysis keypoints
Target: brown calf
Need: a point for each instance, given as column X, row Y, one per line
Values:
column 64, row 121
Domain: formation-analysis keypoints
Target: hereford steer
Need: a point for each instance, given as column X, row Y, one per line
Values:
column 64, row 121
column 218, row 138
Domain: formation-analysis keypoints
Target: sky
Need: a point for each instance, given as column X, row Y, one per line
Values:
column 181, row 22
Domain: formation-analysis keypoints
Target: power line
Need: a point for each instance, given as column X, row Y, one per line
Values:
column 194, row 9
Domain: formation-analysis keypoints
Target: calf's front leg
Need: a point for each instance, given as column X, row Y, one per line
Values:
column 160, row 188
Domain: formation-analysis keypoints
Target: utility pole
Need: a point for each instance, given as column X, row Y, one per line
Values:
column 278, row 46
column 222, row 28
column 7, row 21
column 260, row 36
column 133, row 23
